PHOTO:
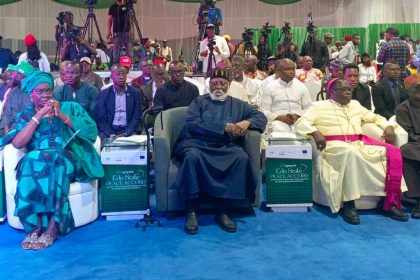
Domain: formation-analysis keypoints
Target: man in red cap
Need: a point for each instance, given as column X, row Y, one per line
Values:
column 33, row 55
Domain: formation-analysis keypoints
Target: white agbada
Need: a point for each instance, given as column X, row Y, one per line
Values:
column 280, row 98
column 348, row 170
column 252, row 87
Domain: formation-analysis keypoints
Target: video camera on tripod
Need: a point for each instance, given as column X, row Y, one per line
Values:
column 247, row 37
column 310, row 28
column 266, row 30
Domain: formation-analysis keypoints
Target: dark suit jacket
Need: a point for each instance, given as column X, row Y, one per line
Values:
column 383, row 99
column 105, row 111
column 362, row 94
column 148, row 91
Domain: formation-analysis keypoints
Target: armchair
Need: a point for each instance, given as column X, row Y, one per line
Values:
column 168, row 125
column 83, row 197
column 365, row 202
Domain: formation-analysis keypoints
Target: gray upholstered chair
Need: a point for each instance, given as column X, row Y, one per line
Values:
column 168, row 125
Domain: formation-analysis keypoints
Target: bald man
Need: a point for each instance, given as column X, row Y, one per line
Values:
column 251, row 70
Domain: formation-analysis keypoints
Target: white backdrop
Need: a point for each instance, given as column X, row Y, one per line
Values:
column 174, row 21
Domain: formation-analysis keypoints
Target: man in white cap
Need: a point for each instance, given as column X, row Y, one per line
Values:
column 88, row 75
column 219, row 46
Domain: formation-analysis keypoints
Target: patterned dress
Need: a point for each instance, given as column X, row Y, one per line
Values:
column 45, row 172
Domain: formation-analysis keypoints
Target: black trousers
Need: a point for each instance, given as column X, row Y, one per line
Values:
column 411, row 171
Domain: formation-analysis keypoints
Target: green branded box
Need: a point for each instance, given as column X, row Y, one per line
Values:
column 123, row 191
column 289, row 176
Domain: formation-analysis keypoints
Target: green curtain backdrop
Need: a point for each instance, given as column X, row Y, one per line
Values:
column 299, row 34
column 4, row 2
column 373, row 30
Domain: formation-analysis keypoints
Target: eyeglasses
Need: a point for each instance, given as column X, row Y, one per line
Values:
column 41, row 91
column 175, row 72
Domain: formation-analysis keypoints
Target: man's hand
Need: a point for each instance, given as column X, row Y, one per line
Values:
column 389, row 135
column 216, row 48
column 204, row 53
column 229, row 128
column 108, row 35
column 288, row 119
column 319, row 140
column 241, row 128
column 295, row 117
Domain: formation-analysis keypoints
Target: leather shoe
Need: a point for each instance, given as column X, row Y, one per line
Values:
column 350, row 215
column 396, row 214
column 225, row 222
column 191, row 223
column 415, row 214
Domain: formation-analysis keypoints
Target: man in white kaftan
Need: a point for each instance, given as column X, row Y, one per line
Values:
column 284, row 100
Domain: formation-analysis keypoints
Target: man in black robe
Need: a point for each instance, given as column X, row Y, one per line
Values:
column 408, row 116
column 212, row 161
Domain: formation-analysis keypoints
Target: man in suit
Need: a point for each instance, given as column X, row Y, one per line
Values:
column 361, row 91
column 388, row 93
column 119, row 107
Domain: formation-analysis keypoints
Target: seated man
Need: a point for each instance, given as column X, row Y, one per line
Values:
column 212, row 162
column 251, row 70
column 251, row 86
column 176, row 92
column 15, row 100
column 284, row 100
column 119, row 107
column 408, row 116
column 388, row 93
column 308, row 73
column 352, row 164
column 361, row 91
column 88, row 76
column 74, row 89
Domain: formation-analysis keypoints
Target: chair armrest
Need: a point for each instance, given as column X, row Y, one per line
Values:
column 401, row 136
column 372, row 130
column 252, row 143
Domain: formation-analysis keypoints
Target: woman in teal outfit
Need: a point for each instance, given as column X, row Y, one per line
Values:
column 54, row 159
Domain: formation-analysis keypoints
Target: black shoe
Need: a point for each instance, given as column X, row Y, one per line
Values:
column 191, row 223
column 396, row 214
column 225, row 222
column 415, row 214
column 349, row 213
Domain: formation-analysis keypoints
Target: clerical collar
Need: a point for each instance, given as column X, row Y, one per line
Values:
column 339, row 104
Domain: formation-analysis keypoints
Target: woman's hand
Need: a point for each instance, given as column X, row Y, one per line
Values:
column 55, row 106
column 44, row 111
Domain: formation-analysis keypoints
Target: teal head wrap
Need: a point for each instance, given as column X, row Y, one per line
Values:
column 36, row 78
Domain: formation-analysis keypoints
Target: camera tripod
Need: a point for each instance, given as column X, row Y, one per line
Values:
column 211, row 58
column 201, row 36
column 88, row 27
column 134, row 23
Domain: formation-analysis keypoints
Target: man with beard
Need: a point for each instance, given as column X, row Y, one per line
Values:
column 212, row 161
column 119, row 107
column 352, row 164
column 75, row 90
column 176, row 92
